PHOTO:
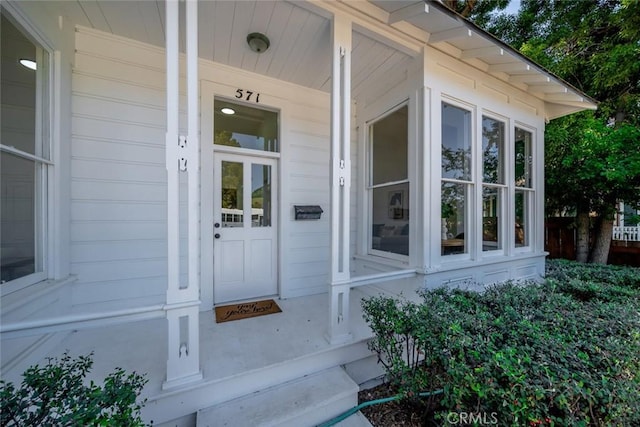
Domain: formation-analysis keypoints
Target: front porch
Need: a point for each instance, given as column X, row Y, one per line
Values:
column 236, row 358
column 141, row 210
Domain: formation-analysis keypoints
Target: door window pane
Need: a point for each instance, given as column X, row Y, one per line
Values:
column 491, row 201
column 245, row 127
column 261, row 195
column 232, row 187
column 454, row 218
column 456, row 143
column 18, row 231
column 492, row 150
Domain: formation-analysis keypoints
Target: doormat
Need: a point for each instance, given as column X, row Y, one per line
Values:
column 227, row 313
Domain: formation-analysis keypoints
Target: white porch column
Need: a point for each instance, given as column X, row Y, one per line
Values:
column 340, row 180
column 182, row 155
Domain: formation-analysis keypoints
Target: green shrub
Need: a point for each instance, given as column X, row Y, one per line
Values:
column 564, row 352
column 55, row 395
column 605, row 275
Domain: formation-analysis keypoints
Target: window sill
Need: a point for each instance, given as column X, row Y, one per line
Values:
column 457, row 263
column 15, row 300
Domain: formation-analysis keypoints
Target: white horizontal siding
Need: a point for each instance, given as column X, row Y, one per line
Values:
column 136, row 169
column 119, row 111
column 86, row 190
column 103, row 128
column 117, row 150
column 118, row 175
column 117, row 211
column 118, row 250
column 308, row 175
column 121, row 293
column 124, row 230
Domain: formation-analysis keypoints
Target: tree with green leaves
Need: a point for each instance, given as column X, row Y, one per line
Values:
column 479, row 11
column 589, row 167
column 592, row 158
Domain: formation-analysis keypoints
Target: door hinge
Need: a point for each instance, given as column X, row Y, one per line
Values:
column 342, row 181
column 182, row 153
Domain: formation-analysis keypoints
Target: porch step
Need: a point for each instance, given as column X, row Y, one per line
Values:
column 306, row 401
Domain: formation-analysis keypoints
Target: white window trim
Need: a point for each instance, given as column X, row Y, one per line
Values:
column 533, row 191
column 503, row 187
column 369, row 187
column 471, row 208
column 507, row 188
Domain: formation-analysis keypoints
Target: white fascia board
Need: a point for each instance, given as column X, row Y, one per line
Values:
column 371, row 21
column 408, row 12
column 450, row 34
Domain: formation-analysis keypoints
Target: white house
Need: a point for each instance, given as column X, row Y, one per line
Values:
column 132, row 204
column 625, row 226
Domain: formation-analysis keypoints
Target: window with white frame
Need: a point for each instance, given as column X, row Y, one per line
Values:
column 389, row 183
column 629, row 216
column 493, row 182
column 457, row 178
column 24, row 154
column 524, row 189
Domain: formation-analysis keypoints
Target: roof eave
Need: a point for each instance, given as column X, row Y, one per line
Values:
column 584, row 102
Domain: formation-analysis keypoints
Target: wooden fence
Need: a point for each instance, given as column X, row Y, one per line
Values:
column 560, row 242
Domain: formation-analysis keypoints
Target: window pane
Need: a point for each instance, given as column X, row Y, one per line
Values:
column 18, row 217
column 21, row 88
column 454, row 221
column 390, row 230
column 631, row 216
column 246, row 127
column 491, row 201
column 492, row 150
column 522, row 217
column 18, row 90
column 232, row 206
column 523, row 158
column 260, row 195
column 389, row 138
column 456, row 143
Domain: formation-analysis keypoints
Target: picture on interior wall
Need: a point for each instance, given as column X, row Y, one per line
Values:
column 396, row 204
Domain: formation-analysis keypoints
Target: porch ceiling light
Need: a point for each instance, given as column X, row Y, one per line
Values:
column 28, row 63
column 258, row 42
column 227, row 110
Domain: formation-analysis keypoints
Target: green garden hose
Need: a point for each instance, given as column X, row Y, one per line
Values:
column 355, row 409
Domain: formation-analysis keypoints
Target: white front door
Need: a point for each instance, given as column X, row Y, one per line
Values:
column 245, row 227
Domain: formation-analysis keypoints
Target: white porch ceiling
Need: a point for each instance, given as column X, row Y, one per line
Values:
column 300, row 41
column 300, row 49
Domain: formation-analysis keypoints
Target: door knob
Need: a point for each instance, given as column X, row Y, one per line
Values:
column 216, row 225
column 217, row 235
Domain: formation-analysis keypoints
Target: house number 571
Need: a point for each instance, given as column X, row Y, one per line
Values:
column 247, row 95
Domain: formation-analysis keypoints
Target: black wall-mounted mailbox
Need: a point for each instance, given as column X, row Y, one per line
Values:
column 307, row 212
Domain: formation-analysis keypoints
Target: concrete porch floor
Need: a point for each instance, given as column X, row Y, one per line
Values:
column 236, row 357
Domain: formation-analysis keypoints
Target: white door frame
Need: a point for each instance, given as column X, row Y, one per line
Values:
column 209, row 90
column 254, row 275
